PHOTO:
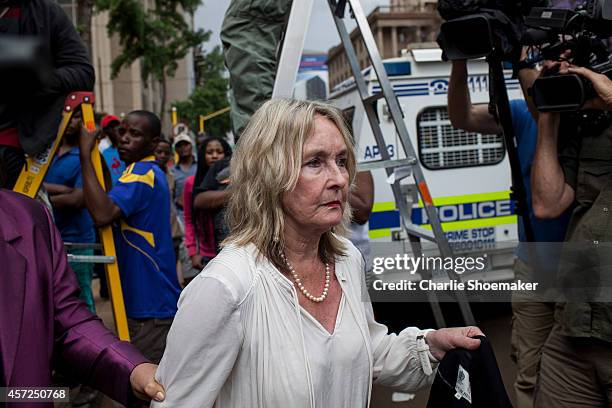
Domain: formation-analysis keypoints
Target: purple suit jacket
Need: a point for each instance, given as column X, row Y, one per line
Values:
column 43, row 325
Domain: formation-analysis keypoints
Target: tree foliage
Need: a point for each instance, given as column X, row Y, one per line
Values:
column 209, row 96
column 159, row 36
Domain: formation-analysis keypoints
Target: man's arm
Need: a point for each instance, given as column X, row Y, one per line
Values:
column 209, row 196
column 602, row 85
column 462, row 114
column 87, row 349
column 362, row 197
column 54, row 189
column 72, row 68
column 102, row 209
column 67, row 201
column 551, row 195
column 211, row 200
column 527, row 77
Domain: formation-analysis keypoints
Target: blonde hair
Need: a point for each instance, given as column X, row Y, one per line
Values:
column 267, row 164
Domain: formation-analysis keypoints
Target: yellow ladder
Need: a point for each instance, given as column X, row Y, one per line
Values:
column 34, row 172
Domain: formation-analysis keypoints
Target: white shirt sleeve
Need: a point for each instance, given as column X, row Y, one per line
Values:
column 202, row 345
column 396, row 360
column 396, row 357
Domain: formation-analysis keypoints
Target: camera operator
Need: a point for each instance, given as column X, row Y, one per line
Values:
column 576, row 363
column 601, row 83
column 532, row 320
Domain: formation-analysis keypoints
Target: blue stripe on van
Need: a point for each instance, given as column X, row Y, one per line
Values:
column 384, row 219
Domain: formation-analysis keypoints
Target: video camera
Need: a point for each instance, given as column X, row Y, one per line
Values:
column 480, row 28
column 484, row 28
column 583, row 32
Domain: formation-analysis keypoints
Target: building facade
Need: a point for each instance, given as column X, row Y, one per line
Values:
column 396, row 26
column 128, row 91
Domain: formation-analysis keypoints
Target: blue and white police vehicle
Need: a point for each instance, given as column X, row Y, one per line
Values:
column 468, row 173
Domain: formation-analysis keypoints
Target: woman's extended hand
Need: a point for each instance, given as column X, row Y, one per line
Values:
column 442, row 340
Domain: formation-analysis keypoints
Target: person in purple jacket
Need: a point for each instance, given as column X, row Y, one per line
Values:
column 43, row 324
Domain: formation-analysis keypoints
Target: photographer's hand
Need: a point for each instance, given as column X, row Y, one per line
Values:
column 602, row 85
column 551, row 67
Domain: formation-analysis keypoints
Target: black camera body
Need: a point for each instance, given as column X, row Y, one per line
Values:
column 475, row 29
column 563, row 93
column 582, row 31
column 483, row 28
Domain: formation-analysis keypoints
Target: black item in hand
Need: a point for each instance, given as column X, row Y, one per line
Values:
column 469, row 378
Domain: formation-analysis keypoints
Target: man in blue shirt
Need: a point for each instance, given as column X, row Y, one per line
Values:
column 64, row 186
column 532, row 320
column 139, row 207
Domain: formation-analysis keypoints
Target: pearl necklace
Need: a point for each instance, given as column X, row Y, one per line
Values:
column 299, row 284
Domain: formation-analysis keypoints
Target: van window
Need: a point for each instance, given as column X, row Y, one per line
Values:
column 441, row 146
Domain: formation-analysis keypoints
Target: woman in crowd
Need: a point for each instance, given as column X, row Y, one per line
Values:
column 211, row 196
column 278, row 318
column 199, row 229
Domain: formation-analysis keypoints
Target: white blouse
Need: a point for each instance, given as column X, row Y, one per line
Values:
column 335, row 356
column 241, row 339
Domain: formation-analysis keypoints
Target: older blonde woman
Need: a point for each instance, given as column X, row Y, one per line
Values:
column 277, row 318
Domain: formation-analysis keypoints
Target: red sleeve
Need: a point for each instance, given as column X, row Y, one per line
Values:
column 190, row 233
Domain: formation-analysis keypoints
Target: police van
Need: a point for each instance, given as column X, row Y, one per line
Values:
column 468, row 173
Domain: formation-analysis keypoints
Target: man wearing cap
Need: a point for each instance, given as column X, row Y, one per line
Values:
column 186, row 166
column 116, row 167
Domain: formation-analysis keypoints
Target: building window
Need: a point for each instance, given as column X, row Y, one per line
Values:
column 401, row 36
column 441, row 146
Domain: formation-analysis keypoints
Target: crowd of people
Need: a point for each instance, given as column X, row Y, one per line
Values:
column 288, row 208
column 238, row 278
column 163, row 239
column 280, row 205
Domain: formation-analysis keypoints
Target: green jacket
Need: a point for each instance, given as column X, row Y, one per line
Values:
column 251, row 35
column 586, row 267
